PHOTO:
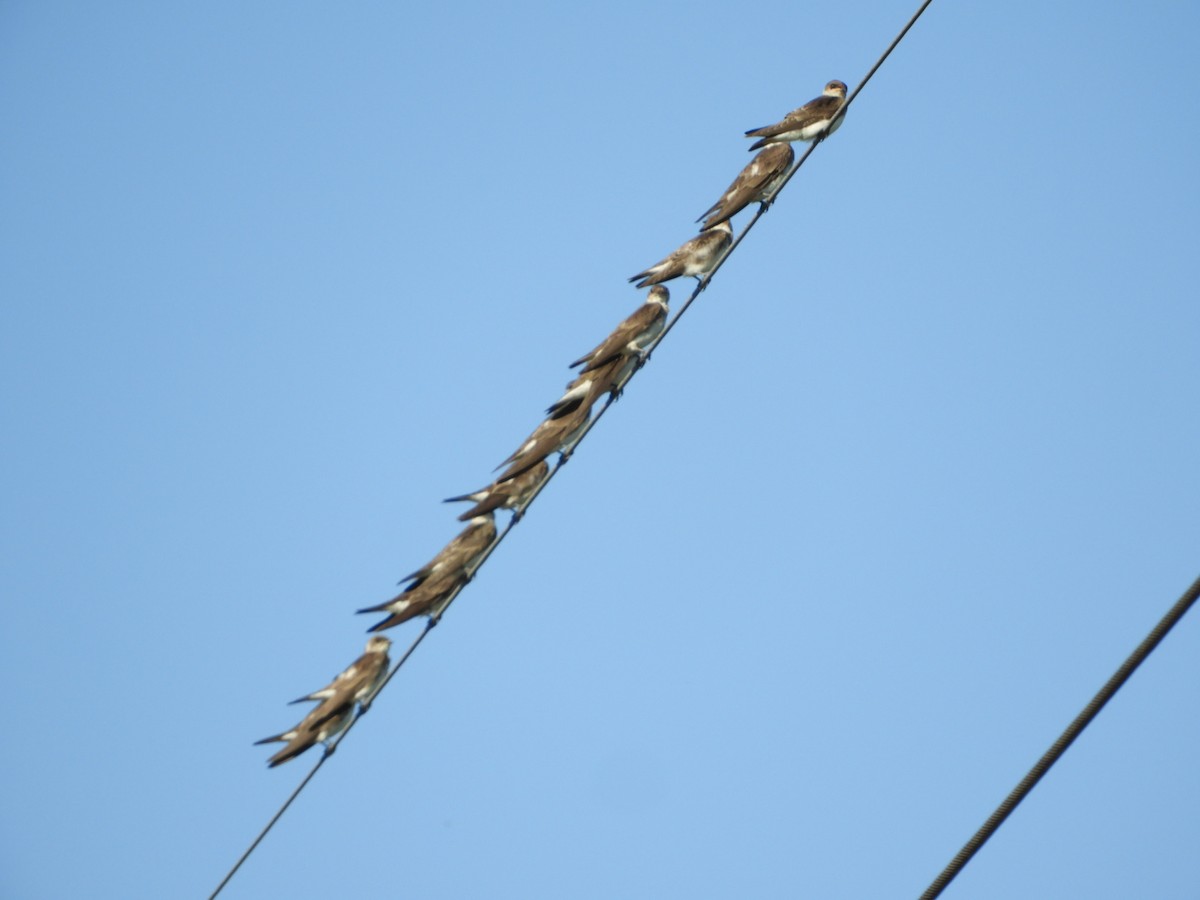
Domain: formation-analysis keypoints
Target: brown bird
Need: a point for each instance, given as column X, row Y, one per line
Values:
column 318, row 727
column 807, row 123
column 361, row 680
column 358, row 684
column 759, row 181
column 696, row 257
column 512, row 494
column 553, row 435
column 434, row 584
column 463, row 548
column 428, row 598
column 587, row 387
column 635, row 332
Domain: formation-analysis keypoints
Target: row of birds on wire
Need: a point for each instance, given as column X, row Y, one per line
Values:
column 605, row 370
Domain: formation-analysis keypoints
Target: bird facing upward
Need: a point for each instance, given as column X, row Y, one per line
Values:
column 807, row 123
column 759, row 181
column 637, row 330
column 334, row 711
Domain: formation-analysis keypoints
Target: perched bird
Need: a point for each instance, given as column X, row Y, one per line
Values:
column 610, row 365
column 428, row 598
column 806, row 123
column 552, row 435
column 585, row 389
column 697, row 257
column 759, row 181
column 361, row 680
column 433, row 585
column 463, row 547
column 638, row 330
column 511, row 494
column 358, row 684
column 318, row 727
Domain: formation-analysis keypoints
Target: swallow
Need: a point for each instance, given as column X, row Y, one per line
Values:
column 435, row 584
column 697, row 257
column 428, row 598
column 514, row 494
column 318, row 727
column 553, row 435
column 758, row 182
column 634, row 334
column 361, row 680
column 807, row 123
column 357, row 685
column 463, row 547
column 587, row 387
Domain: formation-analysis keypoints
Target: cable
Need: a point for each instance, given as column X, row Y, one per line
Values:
column 433, row 621
column 275, row 818
column 313, row 771
column 1059, row 747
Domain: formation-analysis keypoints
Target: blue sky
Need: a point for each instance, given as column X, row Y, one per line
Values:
column 894, row 499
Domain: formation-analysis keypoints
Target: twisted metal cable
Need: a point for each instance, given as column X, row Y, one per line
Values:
column 1059, row 747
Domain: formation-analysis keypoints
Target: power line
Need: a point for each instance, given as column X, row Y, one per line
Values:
column 703, row 283
column 271, row 824
column 313, row 771
column 1059, row 747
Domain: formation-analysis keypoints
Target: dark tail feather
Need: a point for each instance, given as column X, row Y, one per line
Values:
column 511, row 457
column 602, row 361
column 417, row 578
column 708, row 212
column 379, row 607
column 291, row 751
column 519, row 469
column 342, row 710
column 390, row 622
column 465, row 498
column 483, row 507
column 418, row 606
column 717, row 217
column 564, row 407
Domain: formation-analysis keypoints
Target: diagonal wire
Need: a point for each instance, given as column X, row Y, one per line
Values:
column 313, row 771
column 433, row 620
column 1059, row 747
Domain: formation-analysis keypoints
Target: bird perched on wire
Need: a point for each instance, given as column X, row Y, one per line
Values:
column 634, row 334
column 462, row 549
column 318, row 727
column 513, row 493
column 426, row 598
column 361, row 680
column 807, row 123
column 696, row 257
column 587, row 387
column 435, row 583
column 358, row 684
column 608, row 366
column 552, row 435
column 758, row 182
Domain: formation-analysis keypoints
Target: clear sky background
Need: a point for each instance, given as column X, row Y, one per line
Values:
column 896, row 497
